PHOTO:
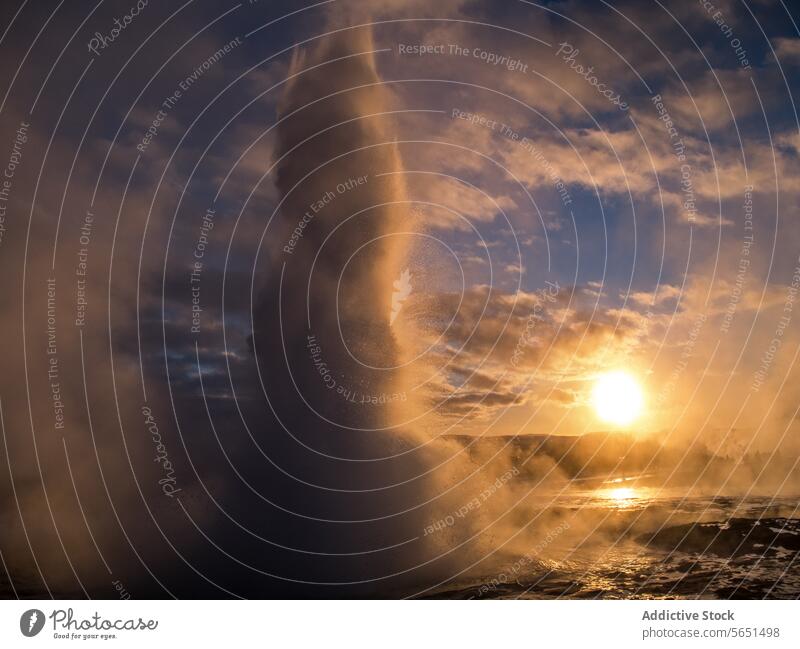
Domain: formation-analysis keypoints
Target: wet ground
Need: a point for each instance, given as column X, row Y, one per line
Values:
column 639, row 543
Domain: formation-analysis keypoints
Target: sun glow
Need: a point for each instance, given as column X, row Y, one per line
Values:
column 620, row 497
column 617, row 398
column 622, row 493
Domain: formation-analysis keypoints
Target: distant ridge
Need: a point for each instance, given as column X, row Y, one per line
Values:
column 604, row 456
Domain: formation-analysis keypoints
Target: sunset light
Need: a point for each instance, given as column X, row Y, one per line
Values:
column 370, row 300
column 617, row 398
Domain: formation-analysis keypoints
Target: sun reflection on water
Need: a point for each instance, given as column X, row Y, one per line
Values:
column 620, row 497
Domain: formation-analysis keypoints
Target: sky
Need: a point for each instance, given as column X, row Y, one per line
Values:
column 285, row 247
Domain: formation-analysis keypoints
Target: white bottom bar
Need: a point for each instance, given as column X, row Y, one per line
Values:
column 402, row 624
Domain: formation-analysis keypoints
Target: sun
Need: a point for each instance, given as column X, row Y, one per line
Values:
column 617, row 398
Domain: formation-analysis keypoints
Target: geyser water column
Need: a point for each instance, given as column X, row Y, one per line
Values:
column 336, row 255
column 322, row 334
